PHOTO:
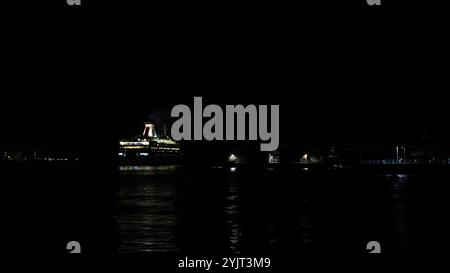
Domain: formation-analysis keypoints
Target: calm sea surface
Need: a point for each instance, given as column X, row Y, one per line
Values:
column 223, row 210
column 268, row 210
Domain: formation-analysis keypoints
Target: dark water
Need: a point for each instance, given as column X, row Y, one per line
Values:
column 224, row 211
column 281, row 209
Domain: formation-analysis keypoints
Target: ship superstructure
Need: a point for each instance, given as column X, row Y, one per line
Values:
column 149, row 148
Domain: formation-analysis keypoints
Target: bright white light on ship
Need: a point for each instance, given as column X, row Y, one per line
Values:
column 134, row 143
column 305, row 157
column 232, row 158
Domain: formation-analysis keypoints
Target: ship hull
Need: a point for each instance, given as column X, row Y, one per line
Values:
column 150, row 161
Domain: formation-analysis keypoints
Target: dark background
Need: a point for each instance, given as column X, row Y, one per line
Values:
column 342, row 71
column 79, row 78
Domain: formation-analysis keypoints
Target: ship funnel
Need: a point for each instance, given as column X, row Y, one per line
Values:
column 149, row 130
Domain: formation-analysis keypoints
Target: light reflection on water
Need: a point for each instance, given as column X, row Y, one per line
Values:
column 232, row 214
column 148, row 170
column 305, row 223
column 148, row 218
column 399, row 211
column 147, row 215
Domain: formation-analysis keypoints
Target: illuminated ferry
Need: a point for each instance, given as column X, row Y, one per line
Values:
column 149, row 149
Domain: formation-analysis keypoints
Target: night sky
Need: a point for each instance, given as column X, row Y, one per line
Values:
column 79, row 78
